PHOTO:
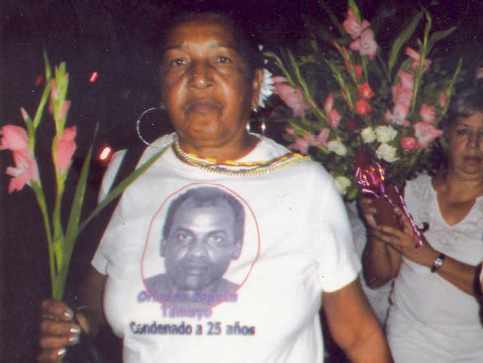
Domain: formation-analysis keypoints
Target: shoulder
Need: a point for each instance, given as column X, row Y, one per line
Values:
column 418, row 187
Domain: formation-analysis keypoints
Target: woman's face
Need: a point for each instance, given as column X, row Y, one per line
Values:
column 205, row 86
column 465, row 139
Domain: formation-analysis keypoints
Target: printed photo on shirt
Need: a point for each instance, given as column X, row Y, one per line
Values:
column 201, row 236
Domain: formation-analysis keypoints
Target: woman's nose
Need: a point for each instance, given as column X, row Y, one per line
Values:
column 200, row 76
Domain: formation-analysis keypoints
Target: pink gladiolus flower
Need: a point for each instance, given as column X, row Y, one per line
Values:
column 301, row 144
column 13, row 138
column 64, row 148
column 25, row 170
column 365, row 91
column 293, row 98
column 443, row 99
column 416, row 58
column 365, row 44
column 332, row 114
column 426, row 133
column 363, row 107
column 409, row 143
column 353, row 26
column 322, row 138
column 428, row 113
column 406, row 80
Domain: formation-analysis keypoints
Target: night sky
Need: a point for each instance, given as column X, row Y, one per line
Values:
column 118, row 39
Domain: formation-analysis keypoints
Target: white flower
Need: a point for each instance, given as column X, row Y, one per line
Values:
column 342, row 183
column 368, row 135
column 337, row 147
column 385, row 134
column 266, row 88
column 387, row 152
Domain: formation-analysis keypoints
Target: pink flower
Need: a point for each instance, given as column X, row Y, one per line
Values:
column 25, row 170
column 322, row 137
column 293, row 97
column 365, row 44
column 409, row 143
column 332, row 114
column 443, row 99
column 302, row 143
column 426, row 133
column 353, row 26
column 428, row 113
column 406, row 80
column 365, row 91
column 64, row 148
column 13, row 138
column 416, row 58
column 363, row 107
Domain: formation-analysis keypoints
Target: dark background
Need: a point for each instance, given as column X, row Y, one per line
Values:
column 118, row 39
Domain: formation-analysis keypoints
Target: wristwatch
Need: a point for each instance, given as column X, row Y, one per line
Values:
column 438, row 262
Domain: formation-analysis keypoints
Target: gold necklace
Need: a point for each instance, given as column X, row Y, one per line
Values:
column 243, row 167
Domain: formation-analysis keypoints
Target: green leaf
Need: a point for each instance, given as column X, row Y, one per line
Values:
column 403, row 37
column 77, row 203
column 440, row 35
column 355, row 9
column 117, row 191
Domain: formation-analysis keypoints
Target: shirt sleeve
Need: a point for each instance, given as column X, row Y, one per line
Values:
column 339, row 263
column 100, row 261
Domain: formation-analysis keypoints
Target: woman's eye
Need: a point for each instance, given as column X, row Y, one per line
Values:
column 223, row 60
column 177, row 62
column 461, row 132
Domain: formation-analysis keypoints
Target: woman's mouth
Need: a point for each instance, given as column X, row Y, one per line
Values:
column 203, row 106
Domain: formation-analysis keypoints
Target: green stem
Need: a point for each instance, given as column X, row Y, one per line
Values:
column 40, row 196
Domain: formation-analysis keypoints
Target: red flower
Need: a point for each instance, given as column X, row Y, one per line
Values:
column 363, row 107
column 409, row 143
column 365, row 91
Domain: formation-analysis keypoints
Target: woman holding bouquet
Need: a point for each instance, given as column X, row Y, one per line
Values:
column 434, row 316
column 224, row 250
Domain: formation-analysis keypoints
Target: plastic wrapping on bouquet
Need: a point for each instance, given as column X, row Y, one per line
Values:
column 370, row 177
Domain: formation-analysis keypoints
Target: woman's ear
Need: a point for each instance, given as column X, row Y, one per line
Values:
column 256, row 88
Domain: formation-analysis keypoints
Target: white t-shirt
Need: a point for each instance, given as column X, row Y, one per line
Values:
column 431, row 319
column 297, row 243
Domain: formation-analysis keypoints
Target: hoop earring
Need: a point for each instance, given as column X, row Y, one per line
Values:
column 138, row 123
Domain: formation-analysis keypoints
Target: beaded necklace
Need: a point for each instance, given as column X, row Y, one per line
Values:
column 244, row 168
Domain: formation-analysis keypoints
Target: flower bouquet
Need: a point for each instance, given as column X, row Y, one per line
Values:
column 369, row 117
column 61, row 237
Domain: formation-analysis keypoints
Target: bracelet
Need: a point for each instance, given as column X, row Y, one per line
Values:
column 438, row 262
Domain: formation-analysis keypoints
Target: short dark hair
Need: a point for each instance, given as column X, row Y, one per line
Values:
column 465, row 102
column 203, row 197
column 245, row 40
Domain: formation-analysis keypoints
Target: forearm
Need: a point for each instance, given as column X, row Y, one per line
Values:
column 459, row 274
column 354, row 326
column 380, row 263
column 91, row 316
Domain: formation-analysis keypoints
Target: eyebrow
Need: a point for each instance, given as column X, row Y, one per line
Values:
column 212, row 46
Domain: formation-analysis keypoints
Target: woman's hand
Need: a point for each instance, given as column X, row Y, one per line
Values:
column 405, row 241
column 57, row 330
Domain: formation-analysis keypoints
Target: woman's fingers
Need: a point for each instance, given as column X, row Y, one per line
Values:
column 57, row 330
column 51, row 355
column 55, row 309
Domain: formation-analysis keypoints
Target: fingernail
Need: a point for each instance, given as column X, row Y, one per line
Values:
column 61, row 352
column 74, row 339
column 75, row 330
column 69, row 314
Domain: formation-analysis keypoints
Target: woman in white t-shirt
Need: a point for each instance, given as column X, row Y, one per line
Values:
column 227, row 246
column 435, row 312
